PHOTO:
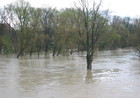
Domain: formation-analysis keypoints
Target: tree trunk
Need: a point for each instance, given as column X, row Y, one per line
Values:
column 54, row 50
column 89, row 61
column 46, row 49
column 31, row 51
column 59, row 51
column 21, row 52
column 38, row 52
column 71, row 51
column 78, row 48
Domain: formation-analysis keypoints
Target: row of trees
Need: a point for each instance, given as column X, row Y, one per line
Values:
column 83, row 28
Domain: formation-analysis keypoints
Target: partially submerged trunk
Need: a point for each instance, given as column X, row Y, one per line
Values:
column 54, row 50
column 31, row 51
column 20, row 52
column 71, row 51
column 46, row 50
column 89, row 61
column 22, row 48
column 38, row 51
column 59, row 51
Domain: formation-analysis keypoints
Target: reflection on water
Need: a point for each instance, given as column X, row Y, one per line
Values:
column 115, row 74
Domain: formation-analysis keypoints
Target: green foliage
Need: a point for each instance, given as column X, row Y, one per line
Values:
column 6, row 44
column 135, row 37
column 114, row 37
column 47, row 29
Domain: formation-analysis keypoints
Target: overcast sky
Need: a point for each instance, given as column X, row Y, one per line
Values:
column 117, row 7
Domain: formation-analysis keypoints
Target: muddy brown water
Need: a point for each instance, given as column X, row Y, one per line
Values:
column 115, row 74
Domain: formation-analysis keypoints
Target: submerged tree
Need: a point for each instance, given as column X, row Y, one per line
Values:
column 84, row 28
column 36, row 33
column 21, row 12
column 49, row 24
column 65, row 33
column 93, row 22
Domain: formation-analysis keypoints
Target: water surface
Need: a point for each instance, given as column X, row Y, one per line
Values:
column 115, row 74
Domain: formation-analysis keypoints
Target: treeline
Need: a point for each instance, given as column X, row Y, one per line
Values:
column 48, row 29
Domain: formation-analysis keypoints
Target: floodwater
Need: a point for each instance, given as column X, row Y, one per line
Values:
column 115, row 74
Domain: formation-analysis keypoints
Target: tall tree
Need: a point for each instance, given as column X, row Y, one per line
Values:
column 65, row 36
column 93, row 22
column 49, row 23
column 36, row 33
column 21, row 11
column 136, row 36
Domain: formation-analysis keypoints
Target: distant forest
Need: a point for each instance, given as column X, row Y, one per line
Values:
column 26, row 30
